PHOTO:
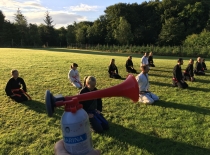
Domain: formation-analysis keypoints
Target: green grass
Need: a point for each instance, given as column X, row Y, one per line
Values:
column 178, row 124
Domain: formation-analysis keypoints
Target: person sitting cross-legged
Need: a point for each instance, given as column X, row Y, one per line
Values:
column 198, row 67
column 94, row 107
column 145, row 96
column 178, row 79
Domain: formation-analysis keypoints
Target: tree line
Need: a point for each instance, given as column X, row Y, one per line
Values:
column 157, row 23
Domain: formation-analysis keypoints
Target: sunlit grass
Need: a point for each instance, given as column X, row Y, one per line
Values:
column 178, row 124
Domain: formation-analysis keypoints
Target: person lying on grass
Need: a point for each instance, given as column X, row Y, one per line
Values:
column 178, row 79
column 94, row 107
column 13, row 88
column 145, row 96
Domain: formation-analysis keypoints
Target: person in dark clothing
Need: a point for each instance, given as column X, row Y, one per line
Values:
column 188, row 73
column 178, row 79
column 204, row 64
column 94, row 107
column 113, row 71
column 129, row 65
column 198, row 67
column 150, row 60
column 13, row 88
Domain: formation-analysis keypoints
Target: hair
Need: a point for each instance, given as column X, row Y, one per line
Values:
column 203, row 59
column 191, row 60
column 111, row 61
column 198, row 58
column 143, row 67
column 150, row 53
column 146, row 53
column 13, row 71
column 129, row 57
column 88, row 79
column 179, row 60
column 74, row 65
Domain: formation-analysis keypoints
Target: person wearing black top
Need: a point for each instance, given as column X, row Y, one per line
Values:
column 198, row 67
column 94, row 107
column 177, row 75
column 150, row 60
column 13, row 88
column 188, row 73
column 129, row 65
column 113, row 71
column 204, row 64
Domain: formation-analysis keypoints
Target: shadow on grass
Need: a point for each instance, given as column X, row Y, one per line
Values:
column 182, row 107
column 161, row 84
column 152, row 143
column 40, row 107
column 159, row 75
column 198, row 89
column 202, row 81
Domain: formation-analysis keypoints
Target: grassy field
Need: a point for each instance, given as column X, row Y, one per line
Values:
column 178, row 124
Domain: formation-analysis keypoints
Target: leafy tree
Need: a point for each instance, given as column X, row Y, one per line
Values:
column 70, row 36
column 34, row 37
column 22, row 25
column 62, row 32
column 123, row 32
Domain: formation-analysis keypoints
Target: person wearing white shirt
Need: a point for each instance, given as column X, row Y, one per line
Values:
column 144, row 60
column 73, row 76
column 145, row 96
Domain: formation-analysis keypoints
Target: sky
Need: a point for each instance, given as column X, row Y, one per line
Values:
column 63, row 12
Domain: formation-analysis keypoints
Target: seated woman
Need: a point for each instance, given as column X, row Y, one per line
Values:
column 178, row 79
column 129, row 65
column 13, row 88
column 145, row 96
column 188, row 73
column 94, row 107
column 150, row 60
column 113, row 71
column 198, row 67
column 73, row 76
column 204, row 64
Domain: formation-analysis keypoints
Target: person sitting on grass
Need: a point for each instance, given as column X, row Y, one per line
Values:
column 113, row 71
column 150, row 60
column 204, row 64
column 178, row 79
column 188, row 73
column 198, row 67
column 94, row 107
column 13, row 88
column 129, row 65
column 145, row 96
column 73, row 76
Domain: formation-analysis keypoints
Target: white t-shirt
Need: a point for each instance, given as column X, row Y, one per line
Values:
column 73, row 75
column 143, row 82
column 144, row 61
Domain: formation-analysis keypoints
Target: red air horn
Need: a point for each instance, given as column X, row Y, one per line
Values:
column 129, row 89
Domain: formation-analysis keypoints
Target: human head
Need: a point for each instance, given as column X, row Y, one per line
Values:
column 191, row 61
column 180, row 61
column 14, row 73
column 150, row 54
column 74, row 66
column 130, row 57
column 199, row 59
column 145, row 68
column 146, row 54
column 112, row 61
column 203, row 60
column 90, row 82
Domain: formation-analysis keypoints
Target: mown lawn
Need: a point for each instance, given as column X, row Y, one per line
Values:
column 178, row 124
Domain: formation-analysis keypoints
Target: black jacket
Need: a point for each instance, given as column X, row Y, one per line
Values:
column 89, row 104
column 112, row 68
column 150, row 59
column 177, row 73
column 15, row 84
column 189, row 70
column 129, row 64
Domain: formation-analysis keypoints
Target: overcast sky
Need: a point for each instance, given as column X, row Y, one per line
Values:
column 63, row 12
